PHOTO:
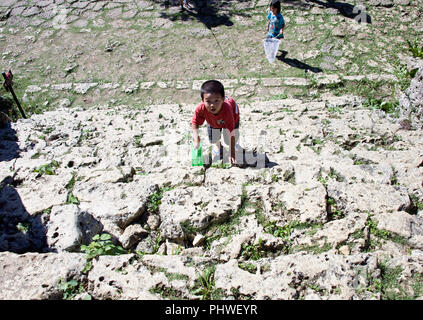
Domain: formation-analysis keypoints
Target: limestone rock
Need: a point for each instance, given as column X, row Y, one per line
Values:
column 196, row 208
column 410, row 99
column 198, row 240
column 132, row 235
column 286, row 202
column 111, row 274
column 34, row 276
column 401, row 223
column 111, row 201
column 359, row 197
column 44, row 192
column 82, row 88
column 289, row 277
column 68, row 228
column 299, row 223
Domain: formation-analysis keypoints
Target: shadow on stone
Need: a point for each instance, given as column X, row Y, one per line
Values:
column 297, row 64
column 9, row 148
column 357, row 13
column 211, row 13
column 19, row 231
column 245, row 159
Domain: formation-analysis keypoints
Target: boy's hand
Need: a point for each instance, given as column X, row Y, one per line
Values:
column 196, row 143
column 232, row 157
column 233, row 160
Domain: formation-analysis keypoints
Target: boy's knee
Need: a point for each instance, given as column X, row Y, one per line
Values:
column 227, row 139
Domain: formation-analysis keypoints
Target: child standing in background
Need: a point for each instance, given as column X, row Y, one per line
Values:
column 276, row 23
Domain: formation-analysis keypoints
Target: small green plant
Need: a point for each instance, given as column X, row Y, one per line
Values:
column 177, row 251
column 188, row 229
column 221, row 165
column 332, row 209
column 157, row 243
column 333, row 174
column 48, row 130
column 315, row 249
column 253, row 251
column 390, row 287
column 251, row 268
column 137, row 140
column 48, row 169
column 204, row 285
column 166, row 292
column 323, row 180
column 23, row 226
column 154, row 200
column 289, row 176
column 359, row 162
column 71, row 288
column 416, row 204
column 389, row 107
column 317, row 141
column 414, row 48
column 279, row 96
column 71, row 198
column 101, row 245
column 334, row 109
column 373, row 229
column 403, row 75
column 277, row 231
column 378, row 234
column 315, row 287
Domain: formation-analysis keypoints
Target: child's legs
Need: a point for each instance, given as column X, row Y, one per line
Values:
column 214, row 135
column 226, row 136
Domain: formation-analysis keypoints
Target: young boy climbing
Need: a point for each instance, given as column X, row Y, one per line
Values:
column 276, row 23
column 219, row 112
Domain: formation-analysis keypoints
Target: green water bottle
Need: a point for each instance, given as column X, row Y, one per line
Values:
column 197, row 155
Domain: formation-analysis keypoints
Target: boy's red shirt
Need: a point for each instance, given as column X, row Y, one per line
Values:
column 227, row 117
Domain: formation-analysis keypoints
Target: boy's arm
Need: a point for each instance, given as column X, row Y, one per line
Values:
column 196, row 122
column 233, row 160
column 195, row 136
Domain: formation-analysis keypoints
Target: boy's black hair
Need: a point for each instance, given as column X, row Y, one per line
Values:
column 212, row 86
column 277, row 5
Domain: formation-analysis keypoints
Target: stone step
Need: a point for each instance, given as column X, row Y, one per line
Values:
column 314, row 80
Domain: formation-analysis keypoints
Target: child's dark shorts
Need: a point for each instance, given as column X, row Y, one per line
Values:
column 216, row 133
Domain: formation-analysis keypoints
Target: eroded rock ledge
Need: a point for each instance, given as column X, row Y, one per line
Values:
column 336, row 202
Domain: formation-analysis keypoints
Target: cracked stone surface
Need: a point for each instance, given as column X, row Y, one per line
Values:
column 329, row 202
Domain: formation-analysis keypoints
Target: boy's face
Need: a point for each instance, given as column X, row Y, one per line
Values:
column 213, row 102
column 274, row 10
